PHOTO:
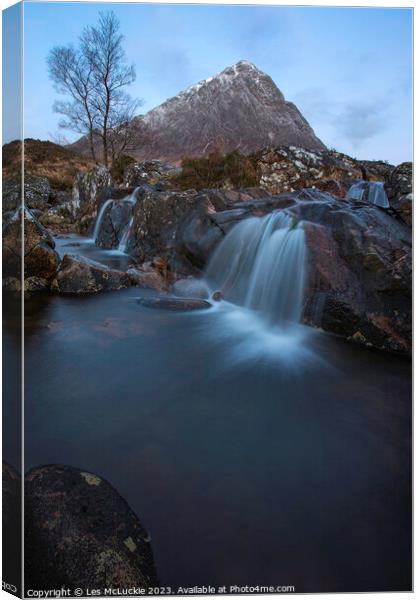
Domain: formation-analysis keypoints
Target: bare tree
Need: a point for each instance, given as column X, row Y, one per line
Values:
column 94, row 77
column 72, row 75
column 102, row 47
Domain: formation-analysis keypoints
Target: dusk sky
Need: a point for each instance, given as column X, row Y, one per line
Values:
column 349, row 71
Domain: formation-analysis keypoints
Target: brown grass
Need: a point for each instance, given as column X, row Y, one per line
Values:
column 218, row 170
column 45, row 159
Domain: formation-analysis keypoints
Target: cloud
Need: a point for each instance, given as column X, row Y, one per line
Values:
column 360, row 122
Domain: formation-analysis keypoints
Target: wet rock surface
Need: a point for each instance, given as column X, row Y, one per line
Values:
column 174, row 303
column 40, row 258
column 79, row 275
column 80, row 533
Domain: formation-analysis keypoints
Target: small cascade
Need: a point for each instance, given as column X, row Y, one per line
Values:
column 369, row 191
column 100, row 217
column 131, row 199
column 126, row 234
column 260, row 265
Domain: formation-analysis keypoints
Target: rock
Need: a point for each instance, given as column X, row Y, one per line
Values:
column 11, row 284
column 41, row 260
column 86, row 190
column 157, row 219
column 360, row 272
column 57, row 216
column 11, row 521
column 36, row 284
column 147, row 276
column 173, row 303
column 37, row 192
column 285, row 169
column 79, row 275
column 400, row 193
column 113, row 224
column 80, row 533
column 150, row 172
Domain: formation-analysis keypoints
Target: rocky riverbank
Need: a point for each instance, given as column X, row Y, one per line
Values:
column 359, row 255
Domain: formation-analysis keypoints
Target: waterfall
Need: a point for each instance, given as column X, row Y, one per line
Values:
column 130, row 199
column 369, row 191
column 260, row 265
column 99, row 218
column 126, row 234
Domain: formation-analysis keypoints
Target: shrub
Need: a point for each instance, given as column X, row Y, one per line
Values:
column 119, row 165
column 218, row 170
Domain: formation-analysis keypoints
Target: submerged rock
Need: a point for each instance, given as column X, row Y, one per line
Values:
column 80, row 533
column 174, row 303
column 79, row 275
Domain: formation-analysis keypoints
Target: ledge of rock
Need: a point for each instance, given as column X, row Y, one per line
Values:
column 173, row 303
column 79, row 275
column 81, row 533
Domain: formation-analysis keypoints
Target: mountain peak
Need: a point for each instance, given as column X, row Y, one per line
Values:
column 240, row 108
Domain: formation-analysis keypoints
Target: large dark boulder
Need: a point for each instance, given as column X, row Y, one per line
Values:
column 80, row 533
column 399, row 191
column 40, row 258
column 157, row 218
column 79, row 275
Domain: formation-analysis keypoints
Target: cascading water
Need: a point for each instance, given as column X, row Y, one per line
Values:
column 100, row 217
column 130, row 199
column 126, row 234
column 260, row 265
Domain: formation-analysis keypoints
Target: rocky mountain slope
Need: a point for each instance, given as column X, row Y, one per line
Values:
column 240, row 108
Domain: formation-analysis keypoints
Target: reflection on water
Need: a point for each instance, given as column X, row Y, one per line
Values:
column 251, row 458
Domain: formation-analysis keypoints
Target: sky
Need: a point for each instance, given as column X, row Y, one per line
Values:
column 349, row 70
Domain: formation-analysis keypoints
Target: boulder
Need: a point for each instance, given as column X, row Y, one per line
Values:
column 152, row 172
column 113, row 224
column 40, row 258
column 400, row 193
column 86, row 190
column 37, row 192
column 157, row 219
column 80, row 533
column 147, row 276
column 79, row 275
column 173, row 303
